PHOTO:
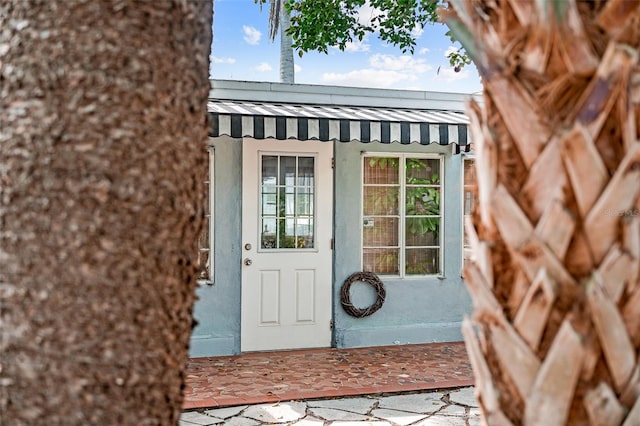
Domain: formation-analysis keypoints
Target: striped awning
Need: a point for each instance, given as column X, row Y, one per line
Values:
column 261, row 120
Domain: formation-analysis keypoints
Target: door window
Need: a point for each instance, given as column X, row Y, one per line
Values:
column 287, row 190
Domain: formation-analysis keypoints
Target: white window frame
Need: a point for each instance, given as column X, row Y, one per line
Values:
column 208, row 247
column 280, row 154
column 402, row 216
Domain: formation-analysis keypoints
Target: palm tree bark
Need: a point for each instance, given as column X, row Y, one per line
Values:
column 555, row 333
column 280, row 21
column 287, row 70
column 102, row 170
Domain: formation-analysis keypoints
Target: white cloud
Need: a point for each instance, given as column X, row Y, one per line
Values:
column 366, row 13
column 365, row 78
column 384, row 71
column 357, row 46
column 297, row 68
column 450, row 49
column 251, row 35
column 423, row 51
column 402, row 63
column 263, row 67
column 417, row 31
column 216, row 60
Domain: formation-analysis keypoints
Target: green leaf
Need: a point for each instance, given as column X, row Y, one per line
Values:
column 317, row 25
column 465, row 37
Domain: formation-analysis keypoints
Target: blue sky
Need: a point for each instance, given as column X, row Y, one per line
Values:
column 241, row 50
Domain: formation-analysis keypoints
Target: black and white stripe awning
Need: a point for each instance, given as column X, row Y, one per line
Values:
column 263, row 120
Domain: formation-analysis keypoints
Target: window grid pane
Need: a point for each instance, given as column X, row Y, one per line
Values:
column 401, row 238
column 422, row 261
column 287, row 203
column 381, row 232
column 422, row 216
column 381, row 170
column 381, row 199
column 205, row 241
column 381, row 261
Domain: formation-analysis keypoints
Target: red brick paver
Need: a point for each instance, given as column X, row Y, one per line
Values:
column 274, row 376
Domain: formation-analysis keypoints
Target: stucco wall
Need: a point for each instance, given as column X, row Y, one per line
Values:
column 416, row 310
column 217, row 310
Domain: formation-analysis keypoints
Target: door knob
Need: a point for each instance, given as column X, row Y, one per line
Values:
column 248, row 261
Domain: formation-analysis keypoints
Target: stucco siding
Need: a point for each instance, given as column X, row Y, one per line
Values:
column 416, row 310
column 217, row 310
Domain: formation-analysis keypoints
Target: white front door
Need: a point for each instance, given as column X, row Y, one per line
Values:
column 287, row 218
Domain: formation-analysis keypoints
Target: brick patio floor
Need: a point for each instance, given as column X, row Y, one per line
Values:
column 319, row 373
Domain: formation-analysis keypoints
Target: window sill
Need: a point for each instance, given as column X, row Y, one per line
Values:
column 412, row 277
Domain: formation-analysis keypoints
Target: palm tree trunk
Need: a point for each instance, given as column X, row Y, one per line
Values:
column 103, row 125
column 555, row 333
column 287, row 71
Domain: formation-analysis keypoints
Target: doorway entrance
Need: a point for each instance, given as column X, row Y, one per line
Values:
column 287, row 220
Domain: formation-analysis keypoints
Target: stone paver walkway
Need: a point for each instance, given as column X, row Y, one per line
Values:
column 452, row 407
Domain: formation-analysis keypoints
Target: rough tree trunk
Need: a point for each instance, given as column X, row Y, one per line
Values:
column 555, row 334
column 102, row 164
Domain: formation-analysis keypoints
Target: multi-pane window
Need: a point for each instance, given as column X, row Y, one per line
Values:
column 205, row 243
column 287, row 190
column 469, row 201
column 402, row 215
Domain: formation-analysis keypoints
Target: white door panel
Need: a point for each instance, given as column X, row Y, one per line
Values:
column 286, row 235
